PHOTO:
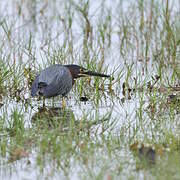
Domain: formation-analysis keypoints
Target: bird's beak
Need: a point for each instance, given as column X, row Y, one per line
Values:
column 86, row 73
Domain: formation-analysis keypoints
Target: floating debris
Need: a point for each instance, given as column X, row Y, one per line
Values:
column 144, row 152
column 84, row 99
column 147, row 152
column 18, row 153
column 1, row 104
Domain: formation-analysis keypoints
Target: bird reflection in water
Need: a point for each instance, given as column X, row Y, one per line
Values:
column 64, row 120
column 53, row 117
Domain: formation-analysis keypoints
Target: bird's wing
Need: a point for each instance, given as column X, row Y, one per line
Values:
column 58, row 80
column 47, row 75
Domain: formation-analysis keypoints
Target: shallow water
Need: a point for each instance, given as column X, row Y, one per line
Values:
column 88, row 139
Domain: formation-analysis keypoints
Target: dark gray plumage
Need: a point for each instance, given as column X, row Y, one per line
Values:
column 59, row 79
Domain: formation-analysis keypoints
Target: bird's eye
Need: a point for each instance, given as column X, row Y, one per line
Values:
column 81, row 70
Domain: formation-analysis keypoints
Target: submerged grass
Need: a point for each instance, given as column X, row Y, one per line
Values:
column 128, row 125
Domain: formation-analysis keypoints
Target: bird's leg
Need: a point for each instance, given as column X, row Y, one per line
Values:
column 63, row 102
column 44, row 103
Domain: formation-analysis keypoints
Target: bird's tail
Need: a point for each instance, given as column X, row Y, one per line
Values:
column 91, row 73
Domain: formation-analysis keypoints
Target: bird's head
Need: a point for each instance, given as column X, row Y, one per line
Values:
column 76, row 71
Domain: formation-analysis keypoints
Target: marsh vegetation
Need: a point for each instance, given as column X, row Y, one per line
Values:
column 125, row 127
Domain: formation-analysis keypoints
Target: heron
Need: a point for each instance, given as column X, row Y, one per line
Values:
column 59, row 79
